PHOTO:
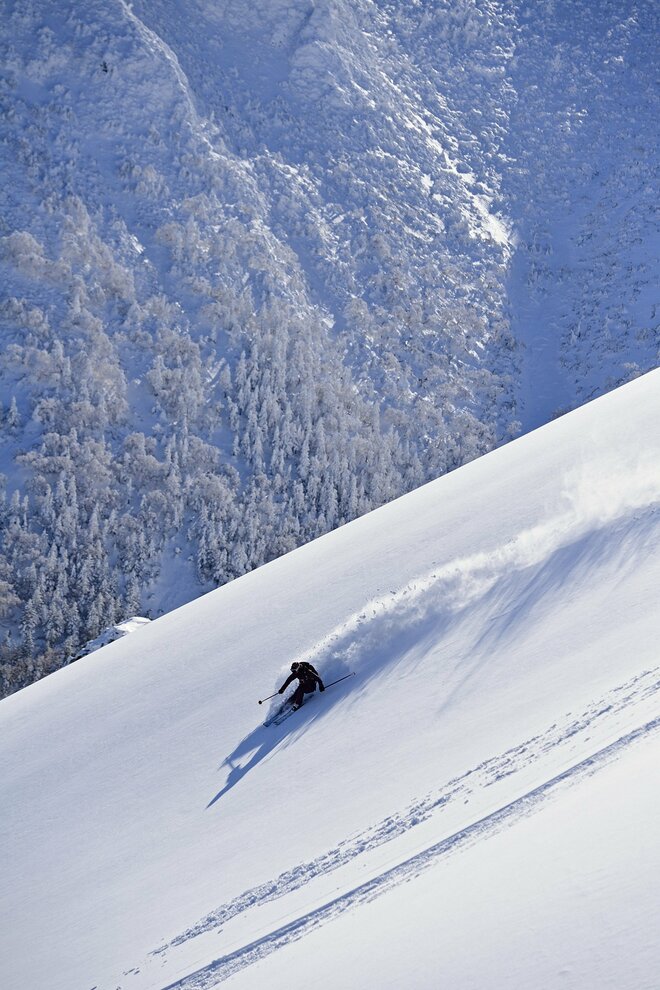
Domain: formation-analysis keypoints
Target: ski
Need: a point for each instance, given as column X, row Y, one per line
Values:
column 283, row 716
column 282, row 710
column 282, row 713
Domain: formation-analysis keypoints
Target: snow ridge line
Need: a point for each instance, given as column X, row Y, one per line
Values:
column 222, row 968
column 159, row 46
column 630, row 694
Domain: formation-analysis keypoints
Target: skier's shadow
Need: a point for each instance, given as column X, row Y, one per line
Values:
column 260, row 742
column 263, row 740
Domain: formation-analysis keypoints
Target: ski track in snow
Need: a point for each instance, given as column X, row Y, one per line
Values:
column 601, row 717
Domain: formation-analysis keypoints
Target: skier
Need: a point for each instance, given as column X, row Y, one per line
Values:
column 308, row 678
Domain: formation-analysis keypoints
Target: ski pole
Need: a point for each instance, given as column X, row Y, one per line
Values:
column 352, row 674
column 261, row 700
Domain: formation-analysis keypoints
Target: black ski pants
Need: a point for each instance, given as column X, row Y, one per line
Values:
column 301, row 690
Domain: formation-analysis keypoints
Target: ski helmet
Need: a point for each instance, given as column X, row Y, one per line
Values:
column 294, row 666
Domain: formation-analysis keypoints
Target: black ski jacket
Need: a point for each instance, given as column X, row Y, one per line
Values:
column 307, row 676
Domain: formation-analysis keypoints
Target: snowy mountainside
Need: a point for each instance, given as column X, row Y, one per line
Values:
column 267, row 266
column 477, row 800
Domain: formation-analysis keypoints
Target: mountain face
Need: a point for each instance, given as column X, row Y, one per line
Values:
column 477, row 806
column 269, row 265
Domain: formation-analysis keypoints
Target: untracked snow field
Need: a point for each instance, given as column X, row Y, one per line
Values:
column 476, row 808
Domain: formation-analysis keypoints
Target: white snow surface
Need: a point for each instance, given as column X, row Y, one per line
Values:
column 477, row 807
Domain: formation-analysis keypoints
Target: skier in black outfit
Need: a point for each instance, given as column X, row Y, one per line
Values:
column 308, row 678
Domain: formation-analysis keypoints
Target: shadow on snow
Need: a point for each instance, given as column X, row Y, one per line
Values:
column 259, row 743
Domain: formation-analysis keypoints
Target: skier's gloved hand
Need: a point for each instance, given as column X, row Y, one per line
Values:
column 321, row 688
column 281, row 691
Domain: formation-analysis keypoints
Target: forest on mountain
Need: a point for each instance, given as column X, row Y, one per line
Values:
column 269, row 265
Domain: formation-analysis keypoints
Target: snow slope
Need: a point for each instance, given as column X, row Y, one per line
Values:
column 476, row 807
